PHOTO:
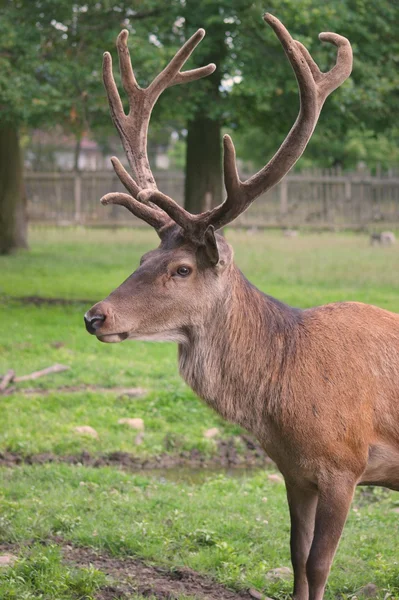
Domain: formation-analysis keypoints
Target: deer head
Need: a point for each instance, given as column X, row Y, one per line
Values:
column 190, row 272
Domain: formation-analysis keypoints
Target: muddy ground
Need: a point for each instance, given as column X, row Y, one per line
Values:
column 129, row 575
column 226, row 456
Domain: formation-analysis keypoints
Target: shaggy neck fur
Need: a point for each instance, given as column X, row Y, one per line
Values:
column 238, row 358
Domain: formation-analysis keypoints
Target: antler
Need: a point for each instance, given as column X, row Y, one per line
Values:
column 133, row 127
column 314, row 87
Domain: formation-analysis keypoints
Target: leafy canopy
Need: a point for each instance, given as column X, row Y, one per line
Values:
column 50, row 68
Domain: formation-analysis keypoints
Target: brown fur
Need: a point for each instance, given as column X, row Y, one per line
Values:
column 318, row 387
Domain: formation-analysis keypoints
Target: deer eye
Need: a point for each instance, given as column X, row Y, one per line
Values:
column 183, row 271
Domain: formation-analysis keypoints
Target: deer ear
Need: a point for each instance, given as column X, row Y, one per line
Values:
column 208, row 253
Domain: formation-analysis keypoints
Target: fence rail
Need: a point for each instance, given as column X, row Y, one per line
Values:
column 319, row 200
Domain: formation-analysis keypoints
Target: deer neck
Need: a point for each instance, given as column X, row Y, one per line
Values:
column 238, row 358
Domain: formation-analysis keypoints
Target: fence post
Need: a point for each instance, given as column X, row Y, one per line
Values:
column 78, row 197
column 58, row 192
column 348, row 189
column 283, row 197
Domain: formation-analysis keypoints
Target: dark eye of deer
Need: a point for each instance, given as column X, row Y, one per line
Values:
column 183, row 271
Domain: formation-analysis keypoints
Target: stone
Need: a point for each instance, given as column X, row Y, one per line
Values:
column 257, row 595
column 370, row 590
column 211, row 433
column 132, row 392
column 385, row 238
column 7, row 560
column 135, row 423
column 275, row 477
column 279, row 573
column 87, row 430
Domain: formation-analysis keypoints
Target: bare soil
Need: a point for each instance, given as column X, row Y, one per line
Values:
column 132, row 575
column 129, row 575
column 43, row 301
column 227, row 456
column 71, row 389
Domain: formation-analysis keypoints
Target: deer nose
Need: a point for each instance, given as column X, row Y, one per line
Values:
column 93, row 322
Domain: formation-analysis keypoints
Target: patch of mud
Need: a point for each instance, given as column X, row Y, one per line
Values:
column 43, row 301
column 134, row 576
column 227, row 456
column 128, row 576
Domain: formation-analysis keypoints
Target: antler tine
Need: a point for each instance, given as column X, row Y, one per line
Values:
column 129, row 82
column 343, row 66
column 188, row 222
column 124, row 177
column 314, row 87
column 196, row 225
column 114, row 100
column 133, row 127
column 171, row 73
column 154, row 217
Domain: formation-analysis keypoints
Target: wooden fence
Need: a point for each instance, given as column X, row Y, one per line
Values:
column 316, row 200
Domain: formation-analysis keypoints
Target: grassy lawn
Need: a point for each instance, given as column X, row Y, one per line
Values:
column 233, row 527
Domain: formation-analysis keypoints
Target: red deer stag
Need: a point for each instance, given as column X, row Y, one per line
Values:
column 319, row 388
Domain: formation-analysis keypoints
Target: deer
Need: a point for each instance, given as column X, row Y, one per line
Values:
column 318, row 387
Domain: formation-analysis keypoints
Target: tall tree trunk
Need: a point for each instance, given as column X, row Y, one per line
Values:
column 203, row 184
column 13, row 217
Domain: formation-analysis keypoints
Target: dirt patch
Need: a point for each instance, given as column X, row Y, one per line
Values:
column 43, row 301
column 71, row 389
column 134, row 576
column 128, row 576
column 227, row 456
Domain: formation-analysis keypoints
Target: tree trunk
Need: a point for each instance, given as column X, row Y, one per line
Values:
column 203, row 184
column 13, row 218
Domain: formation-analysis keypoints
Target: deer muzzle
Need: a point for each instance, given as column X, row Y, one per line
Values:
column 99, row 321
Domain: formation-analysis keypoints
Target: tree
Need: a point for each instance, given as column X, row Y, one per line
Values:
column 253, row 92
column 359, row 121
column 12, row 201
column 50, row 73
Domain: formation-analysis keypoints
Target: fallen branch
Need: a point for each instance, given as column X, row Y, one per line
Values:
column 7, row 379
column 69, row 389
column 12, row 389
column 37, row 374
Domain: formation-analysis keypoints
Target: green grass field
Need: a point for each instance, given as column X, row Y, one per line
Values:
column 232, row 526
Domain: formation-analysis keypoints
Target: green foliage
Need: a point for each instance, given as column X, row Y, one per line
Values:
column 234, row 528
column 50, row 69
column 177, row 155
column 50, row 60
column 359, row 120
column 326, row 149
column 254, row 92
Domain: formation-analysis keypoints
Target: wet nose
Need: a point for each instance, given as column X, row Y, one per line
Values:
column 94, row 322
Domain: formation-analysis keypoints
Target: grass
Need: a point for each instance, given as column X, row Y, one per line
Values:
column 234, row 528
column 302, row 271
column 214, row 523
column 39, row 573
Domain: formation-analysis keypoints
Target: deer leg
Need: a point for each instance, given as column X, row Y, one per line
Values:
column 332, row 509
column 302, row 504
